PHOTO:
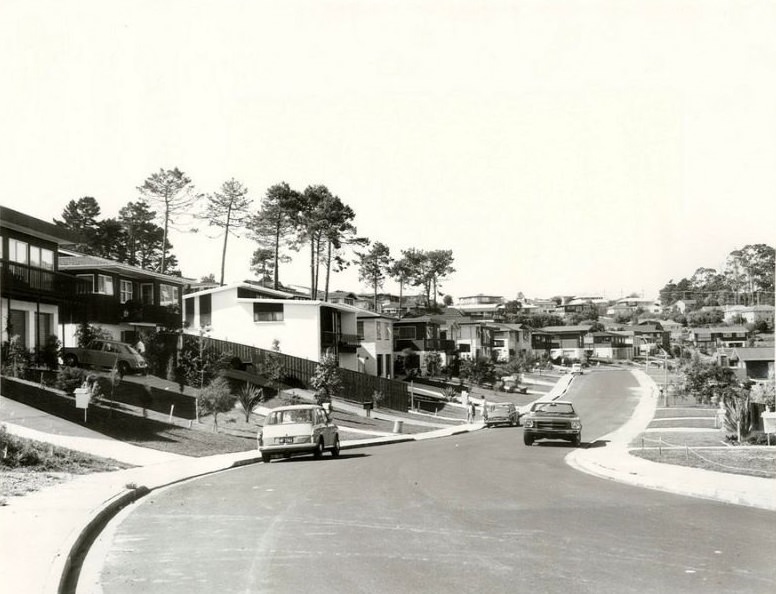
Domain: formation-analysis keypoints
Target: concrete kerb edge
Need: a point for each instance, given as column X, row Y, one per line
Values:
column 83, row 536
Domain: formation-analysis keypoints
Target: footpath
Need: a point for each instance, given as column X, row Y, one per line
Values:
column 44, row 532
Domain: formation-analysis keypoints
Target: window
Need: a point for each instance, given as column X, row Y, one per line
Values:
column 498, row 343
column 168, row 295
column 205, row 310
column 104, row 284
column 17, row 325
column 360, row 330
column 126, row 291
column 188, row 311
column 147, row 293
column 17, row 251
column 46, row 259
column 35, row 256
column 89, row 278
column 267, row 312
column 407, row 332
column 378, row 328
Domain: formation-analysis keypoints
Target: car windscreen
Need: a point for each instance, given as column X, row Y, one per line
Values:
column 553, row 408
column 283, row 417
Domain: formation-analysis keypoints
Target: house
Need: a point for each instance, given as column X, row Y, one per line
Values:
column 583, row 304
column 483, row 307
column 509, row 340
column 258, row 316
column 32, row 288
column 685, row 305
column 413, row 341
column 375, row 352
column 635, row 304
column 122, row 299
column 607, row 345
column 753, row 363
column 561, row 342
column 750, row 314
column 714, row 337
column 474, row 339
column 646, row 338
column 343, row 297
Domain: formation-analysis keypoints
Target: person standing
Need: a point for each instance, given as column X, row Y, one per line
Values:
column 470, row 412
column 484, row 411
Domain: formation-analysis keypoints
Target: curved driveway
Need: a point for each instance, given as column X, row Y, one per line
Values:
column 478, row 512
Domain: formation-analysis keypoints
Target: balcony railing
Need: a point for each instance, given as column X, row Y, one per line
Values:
column 27, row 282
column 347, row 343
column 424, row 344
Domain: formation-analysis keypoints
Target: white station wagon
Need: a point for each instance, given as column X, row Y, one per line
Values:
column 298, row 429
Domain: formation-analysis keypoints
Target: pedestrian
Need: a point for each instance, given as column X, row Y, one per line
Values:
column 139, row 346
column 484, row 411
column 470, row 412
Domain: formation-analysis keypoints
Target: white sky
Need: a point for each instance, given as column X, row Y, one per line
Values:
column 601, row 146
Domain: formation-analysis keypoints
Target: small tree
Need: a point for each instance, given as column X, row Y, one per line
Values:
column 738, row 412
column 216, row 398
column 86, row 333
column 479, row 370
column 433, row 362
column 273, row 366
column 16, row 358
column 249, row 397
column 326, row 381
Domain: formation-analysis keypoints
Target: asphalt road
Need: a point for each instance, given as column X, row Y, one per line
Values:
column 479, row 512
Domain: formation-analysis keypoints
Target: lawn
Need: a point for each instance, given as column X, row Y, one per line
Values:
column 29, row 465
column 747, row 460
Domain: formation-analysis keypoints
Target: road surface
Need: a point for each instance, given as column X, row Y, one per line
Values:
column 479, row 512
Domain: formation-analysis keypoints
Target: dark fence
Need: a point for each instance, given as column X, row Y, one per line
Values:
column 297, row 372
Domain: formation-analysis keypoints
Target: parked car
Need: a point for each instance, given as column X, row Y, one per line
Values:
column 576, row 368
column 298, row 429
column 106, row 353
column 501, row 413
column 555, row 419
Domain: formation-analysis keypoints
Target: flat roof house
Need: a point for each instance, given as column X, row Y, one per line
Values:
column 256, row 316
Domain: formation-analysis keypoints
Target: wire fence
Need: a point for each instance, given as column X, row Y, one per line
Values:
column 690, row 451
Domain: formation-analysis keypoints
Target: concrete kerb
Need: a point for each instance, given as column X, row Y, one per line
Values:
column 614, row 462
column 78, row 542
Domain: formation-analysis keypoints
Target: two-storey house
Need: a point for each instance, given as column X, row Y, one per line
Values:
column 413, row 340
column 375, row 334
column 607, row 345
column 711, row 338
column 257, row 316
column 481, row 307
column 510, row 340
column 561, row 342
column 123, row 300
column 33, row 290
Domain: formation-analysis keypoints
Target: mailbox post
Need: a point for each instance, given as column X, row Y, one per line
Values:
column 769, row 424
column 82, row 398
column 368, row 405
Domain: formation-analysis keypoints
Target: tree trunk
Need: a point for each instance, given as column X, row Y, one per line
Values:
column 277, row 256
column 328, row 272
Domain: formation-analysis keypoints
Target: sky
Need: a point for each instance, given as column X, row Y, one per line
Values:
column 599, row 147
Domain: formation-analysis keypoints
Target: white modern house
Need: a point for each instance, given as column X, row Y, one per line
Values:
column 257, row 316
column 375, row 354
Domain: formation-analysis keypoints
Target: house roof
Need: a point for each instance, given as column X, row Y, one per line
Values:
column 753, row 354
column 18, row 221
column 76, row 262
column 271, row 293
column 719, row 330
column 565, row 329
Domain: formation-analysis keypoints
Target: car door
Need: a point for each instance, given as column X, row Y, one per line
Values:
column 92, row 354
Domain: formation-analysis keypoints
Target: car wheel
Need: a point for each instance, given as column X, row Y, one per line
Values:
column 527, row 440
column 266, row 458
column 124, row 368
column 577, row 440
column 514, row 422
column 70, row 360
column 318, row 451
column 335, row 450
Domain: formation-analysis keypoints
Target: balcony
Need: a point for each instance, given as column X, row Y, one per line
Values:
column 344, row 343
column 21, row 281
column 106, row 309
column 424, row 344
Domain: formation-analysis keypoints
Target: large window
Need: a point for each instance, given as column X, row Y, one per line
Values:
column 104, row 284
column 44, row 322
column 168, row 295
column 407, row 332
column 46, row 259
column 89, row 278
column 17, row 251
column 126, row 291
column 267, row 312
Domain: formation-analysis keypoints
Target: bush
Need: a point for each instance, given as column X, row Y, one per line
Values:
column 216, row 398
column 69, row 378
column 16, row 358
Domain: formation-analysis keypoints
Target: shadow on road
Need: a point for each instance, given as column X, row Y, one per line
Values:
column 598, row 443
column 326, row 457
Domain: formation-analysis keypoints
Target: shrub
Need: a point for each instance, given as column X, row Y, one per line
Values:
column 49, row 354
column 69, row 378
column 216, row 398
column 249, row 398
column 326, row 381
column 16, row 358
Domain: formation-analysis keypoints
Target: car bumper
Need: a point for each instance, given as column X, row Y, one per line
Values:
column 288, row 448
column 499, row 421
column 554, row 434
